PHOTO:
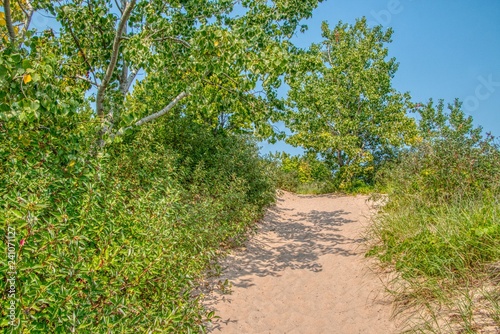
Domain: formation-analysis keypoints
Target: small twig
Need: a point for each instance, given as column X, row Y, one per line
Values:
column 88, row 80
column 174, row 39
column 78, row 45
column 119, row 7
column 221, row 87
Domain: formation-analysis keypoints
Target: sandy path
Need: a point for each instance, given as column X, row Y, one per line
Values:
column 304, row 272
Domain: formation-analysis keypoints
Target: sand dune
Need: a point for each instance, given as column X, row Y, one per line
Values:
column 304, row 272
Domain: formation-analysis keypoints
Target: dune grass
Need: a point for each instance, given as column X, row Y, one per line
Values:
column 440, row 229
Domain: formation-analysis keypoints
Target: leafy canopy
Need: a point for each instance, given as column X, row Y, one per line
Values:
column 341, row 101
column 219, row 61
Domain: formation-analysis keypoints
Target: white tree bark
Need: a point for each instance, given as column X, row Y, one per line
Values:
column 8, row 20
column 127, row 82
column 114, row 58
column 154, row 116
column 163, row 111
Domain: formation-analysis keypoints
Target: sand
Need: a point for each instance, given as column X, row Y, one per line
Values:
column 304, row 271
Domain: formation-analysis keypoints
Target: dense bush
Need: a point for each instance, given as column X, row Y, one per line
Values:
column 442, row 192
column 301, row 174
column 307, row 174
column 114, row 238
column 216, row 157
column 440, row 227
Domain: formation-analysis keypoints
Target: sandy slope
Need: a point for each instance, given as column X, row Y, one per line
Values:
column 304, row 272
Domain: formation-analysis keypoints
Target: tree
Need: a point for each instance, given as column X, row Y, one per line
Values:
column 341, row 103
column 140, row 60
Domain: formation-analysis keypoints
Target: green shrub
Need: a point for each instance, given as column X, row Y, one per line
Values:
column 302, row 174
column 441, row 191
column 307, row 174
column 440, row 227
column 114, row 239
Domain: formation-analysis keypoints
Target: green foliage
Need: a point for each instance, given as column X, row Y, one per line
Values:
column 116, row 217
column 226, row 66
column 452, row 161
column 307, row 174
column 342, row 105
column 114, row 238
column 117, row 242
column 222, row 159
column 128, row 157
column 301, row 174
column 439, row 227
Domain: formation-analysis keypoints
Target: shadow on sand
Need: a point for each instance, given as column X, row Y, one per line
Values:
column 287, row 239
column 290, row 239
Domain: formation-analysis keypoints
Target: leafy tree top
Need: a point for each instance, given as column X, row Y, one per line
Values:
column 342, row 103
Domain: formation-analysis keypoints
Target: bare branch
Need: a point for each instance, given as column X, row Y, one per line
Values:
column 29, row 14
column 174, row 39
column 114, row 58
column 119, row 7
column 166, row 38
column 8, row 20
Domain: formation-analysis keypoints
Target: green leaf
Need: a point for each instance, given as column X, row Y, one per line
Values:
column 26, row 64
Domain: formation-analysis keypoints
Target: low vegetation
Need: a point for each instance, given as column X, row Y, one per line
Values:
column 440, row 227
column 300, row 174
column 119, row 240
column 309, row 174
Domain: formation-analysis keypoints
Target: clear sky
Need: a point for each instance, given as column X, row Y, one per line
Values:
column 446, row 49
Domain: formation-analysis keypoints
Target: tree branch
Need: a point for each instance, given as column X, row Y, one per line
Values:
column 29, row 14
column 114, row 58
column 174, row 39
column 163, row 111
column 8, row 20
column 165, row 38
column 153, row 116
column 88, row 80
column 125, row 68
column 123, row 78
column 79, row 46
column 119, row 7
column 329, row 54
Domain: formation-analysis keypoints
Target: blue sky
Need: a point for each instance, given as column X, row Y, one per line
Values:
column 446, row 49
